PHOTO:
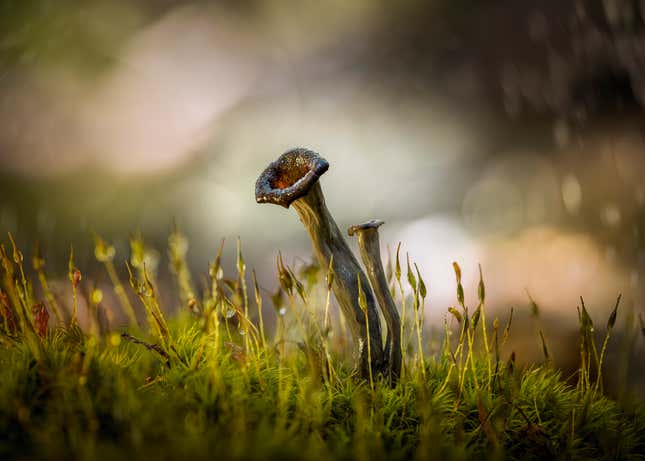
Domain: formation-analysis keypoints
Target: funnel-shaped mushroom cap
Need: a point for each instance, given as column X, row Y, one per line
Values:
column 290, row 177
column 371, row 224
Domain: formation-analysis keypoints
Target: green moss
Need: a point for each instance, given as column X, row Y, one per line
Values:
column 209, row 387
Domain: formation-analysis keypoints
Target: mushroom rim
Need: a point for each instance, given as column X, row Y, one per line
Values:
column 367, row 225
column 314, row 167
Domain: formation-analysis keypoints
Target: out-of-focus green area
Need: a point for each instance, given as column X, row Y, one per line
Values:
column 82, row 36
column 507, row 133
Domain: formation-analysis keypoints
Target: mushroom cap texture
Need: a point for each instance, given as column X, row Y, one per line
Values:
column 371, row 224
column 290, row 177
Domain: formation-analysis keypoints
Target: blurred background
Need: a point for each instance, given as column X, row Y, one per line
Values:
column 504, row 133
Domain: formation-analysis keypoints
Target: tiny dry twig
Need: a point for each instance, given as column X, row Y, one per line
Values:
column 151, row 347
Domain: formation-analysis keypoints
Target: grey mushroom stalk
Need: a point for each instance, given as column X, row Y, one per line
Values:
column 293, row 180
column 368, row 243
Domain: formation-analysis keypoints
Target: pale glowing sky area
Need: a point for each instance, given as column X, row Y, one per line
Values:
column 155, row 110
column 151, row 112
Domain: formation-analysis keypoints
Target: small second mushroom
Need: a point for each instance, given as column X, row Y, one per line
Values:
column 368, row 243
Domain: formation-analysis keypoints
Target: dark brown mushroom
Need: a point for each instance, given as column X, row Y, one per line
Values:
column 290, row 177
column 368, row 243
column 293, row 180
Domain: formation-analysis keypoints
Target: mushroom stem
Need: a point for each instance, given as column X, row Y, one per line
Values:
column 368, row 242
column 327, row 241
column 293, row 180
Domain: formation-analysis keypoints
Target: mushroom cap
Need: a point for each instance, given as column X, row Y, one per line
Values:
column 371, row 224
column 290, row 177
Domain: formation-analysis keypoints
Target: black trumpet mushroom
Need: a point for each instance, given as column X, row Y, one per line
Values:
column 292, row 180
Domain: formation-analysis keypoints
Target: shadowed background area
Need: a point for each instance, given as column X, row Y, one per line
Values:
column 505, row 133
